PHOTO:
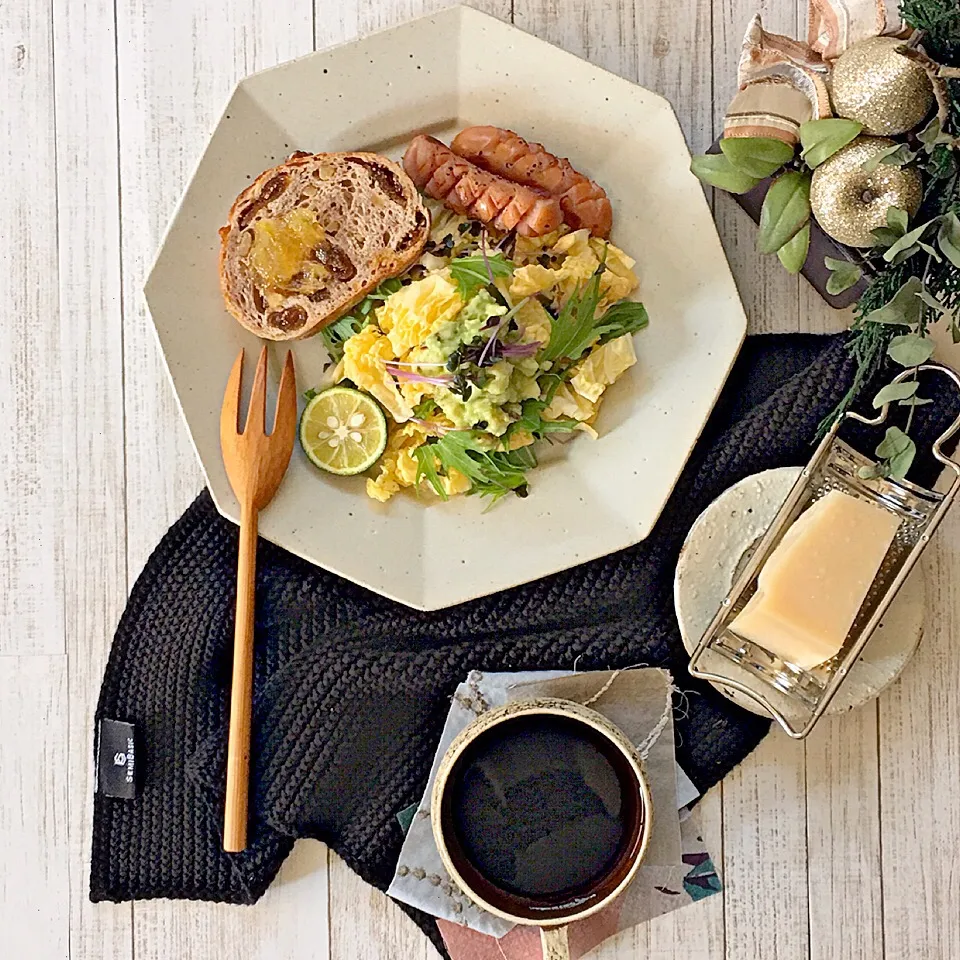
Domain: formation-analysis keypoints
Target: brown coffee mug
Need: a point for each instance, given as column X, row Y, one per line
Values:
column 542, row 814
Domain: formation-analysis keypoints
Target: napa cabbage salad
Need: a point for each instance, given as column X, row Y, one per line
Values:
column 487, row 347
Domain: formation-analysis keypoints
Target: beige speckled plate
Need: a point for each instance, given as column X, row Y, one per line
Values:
column 440, row 74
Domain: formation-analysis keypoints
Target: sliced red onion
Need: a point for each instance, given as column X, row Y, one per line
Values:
column 401, row 374
column 494, row 337
column 518, row 351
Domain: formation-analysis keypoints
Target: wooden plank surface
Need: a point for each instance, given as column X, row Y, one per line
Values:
column 768, row 293
column 34, row 881
column 838, row 849
column 177, row 65
column 919, row 772
column 91, row 400
column 30, row 542
column 764, row 803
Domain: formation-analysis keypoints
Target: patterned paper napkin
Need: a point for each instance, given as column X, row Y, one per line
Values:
column 677, row 870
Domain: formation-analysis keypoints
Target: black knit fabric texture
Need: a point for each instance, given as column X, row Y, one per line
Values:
column 351, row 689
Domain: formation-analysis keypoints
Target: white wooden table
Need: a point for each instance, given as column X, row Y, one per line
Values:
column 845, row 847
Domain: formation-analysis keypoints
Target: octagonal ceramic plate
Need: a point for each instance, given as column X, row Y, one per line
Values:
column 439, row 74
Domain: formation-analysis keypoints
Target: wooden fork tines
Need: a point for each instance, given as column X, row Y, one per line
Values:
column 255, row 462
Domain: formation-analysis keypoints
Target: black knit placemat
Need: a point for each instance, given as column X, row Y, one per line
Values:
column 351, row 690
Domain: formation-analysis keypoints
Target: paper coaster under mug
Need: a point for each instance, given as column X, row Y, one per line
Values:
column 718, row 545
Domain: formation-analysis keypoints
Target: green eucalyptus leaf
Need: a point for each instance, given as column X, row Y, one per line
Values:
column 885, row 236
column 717, row 170
column 873, row 471
column 785, row 211
column 881, row 156
column 821, row 139
column 902, row 308
column 931, row 301
column 895, row 391
column 928, row 249
column 910, row 350
column 905, row 254
column 898, row 450
column 843, row 275
column 793, row 254
column 901, row 463
column 756, row 156
column 894, row 441
column 907, row 245
column 897, row 220
column 949, row 238
column 915, row 402
column 930, row 134
column 901, row 157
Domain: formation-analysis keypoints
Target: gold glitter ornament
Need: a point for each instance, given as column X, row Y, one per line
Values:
column 880, row 88
column 848, row 202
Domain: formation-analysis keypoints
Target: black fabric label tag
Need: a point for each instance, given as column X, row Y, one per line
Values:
column 117, row 759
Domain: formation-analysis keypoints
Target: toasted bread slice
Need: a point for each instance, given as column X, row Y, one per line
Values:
column 308, row 239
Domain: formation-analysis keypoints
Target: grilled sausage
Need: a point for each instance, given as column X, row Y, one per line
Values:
column 506, row 154
column 472, row 192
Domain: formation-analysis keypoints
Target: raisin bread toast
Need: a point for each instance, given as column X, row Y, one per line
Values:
column 308, row 239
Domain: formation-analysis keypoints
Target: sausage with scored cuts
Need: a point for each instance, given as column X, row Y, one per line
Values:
column 506, row 154
column 466, row 189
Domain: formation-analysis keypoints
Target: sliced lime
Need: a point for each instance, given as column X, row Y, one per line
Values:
column 343, row 431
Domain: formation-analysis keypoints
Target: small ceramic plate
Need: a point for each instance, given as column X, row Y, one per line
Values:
column 718, row 545
column 439, row 74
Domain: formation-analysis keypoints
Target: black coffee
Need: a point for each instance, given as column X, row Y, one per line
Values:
column 541, row 806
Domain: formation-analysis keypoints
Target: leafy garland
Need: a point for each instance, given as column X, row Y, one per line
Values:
column 917, row 265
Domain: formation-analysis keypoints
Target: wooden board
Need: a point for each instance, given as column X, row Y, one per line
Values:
column 31, row 549
column 34, row 882
column 92, row 475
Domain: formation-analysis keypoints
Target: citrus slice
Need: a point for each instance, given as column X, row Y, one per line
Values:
column 343, row 431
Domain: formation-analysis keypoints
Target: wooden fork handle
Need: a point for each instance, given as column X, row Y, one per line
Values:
column 241, row 691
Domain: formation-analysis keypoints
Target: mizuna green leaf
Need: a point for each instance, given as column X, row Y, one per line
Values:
column 473, row 272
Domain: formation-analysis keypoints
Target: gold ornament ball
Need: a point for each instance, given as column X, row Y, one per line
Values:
column 880, row 88
column 848, row 202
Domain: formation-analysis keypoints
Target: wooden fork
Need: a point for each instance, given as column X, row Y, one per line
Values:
column 255, row 463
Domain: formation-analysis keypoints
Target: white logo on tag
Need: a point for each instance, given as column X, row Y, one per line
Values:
column 119, row 759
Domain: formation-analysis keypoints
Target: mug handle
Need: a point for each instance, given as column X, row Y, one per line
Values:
column 554, row 942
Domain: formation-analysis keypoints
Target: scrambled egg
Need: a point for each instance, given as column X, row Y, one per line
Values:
column 415, row 311
column 567, row 402
column 364, row 356
column 535, row 324
column 425, row 323
column 529, row 248
column 398, row 465
column 582, row 254
column 602, row 366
